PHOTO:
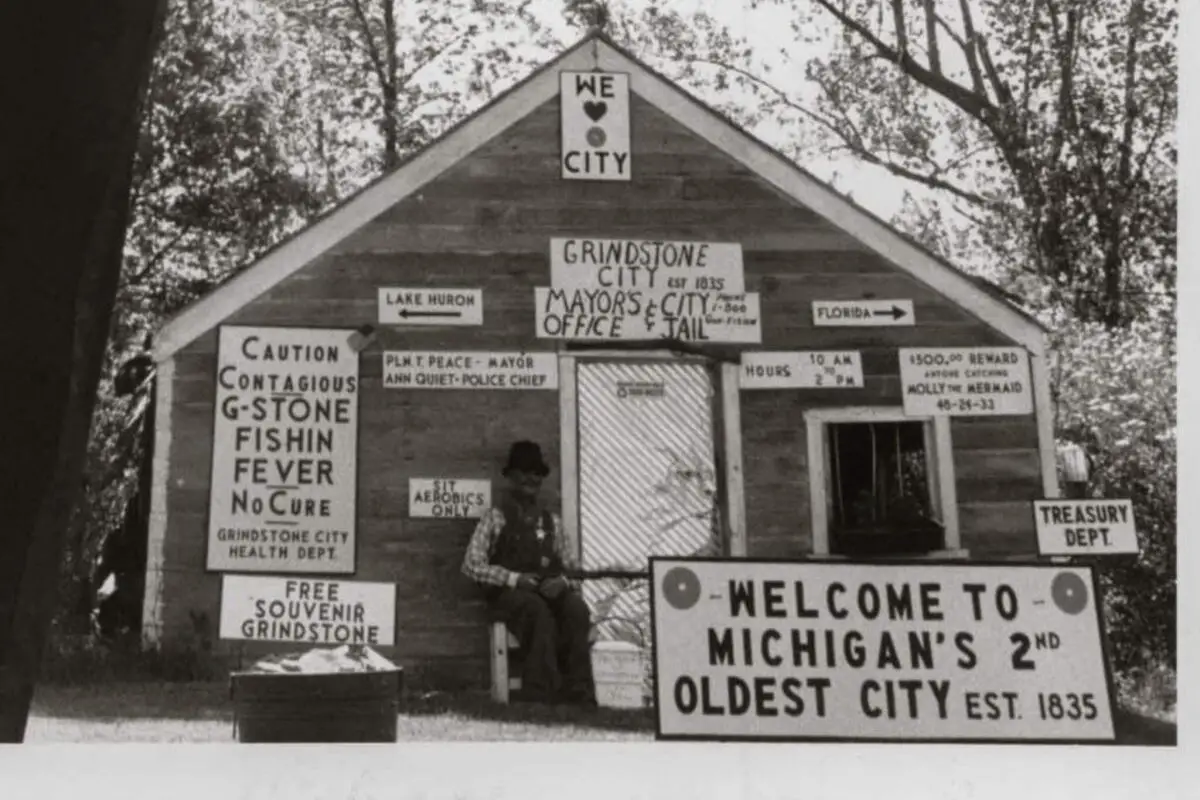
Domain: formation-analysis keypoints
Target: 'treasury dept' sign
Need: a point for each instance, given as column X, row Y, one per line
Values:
column 285, row 440
column 965, row 381
column 935, row 652
column 267, row 609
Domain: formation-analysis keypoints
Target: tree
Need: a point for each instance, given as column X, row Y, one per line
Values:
column 1048, row 123
column 214, row 184
column 407, row 69
column 64, row 189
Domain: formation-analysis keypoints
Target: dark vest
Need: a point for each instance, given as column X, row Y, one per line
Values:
column 517, row 547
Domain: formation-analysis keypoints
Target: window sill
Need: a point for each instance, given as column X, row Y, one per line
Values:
column 936, row 555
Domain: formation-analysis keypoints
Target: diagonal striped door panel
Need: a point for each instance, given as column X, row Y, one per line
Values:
column 646, row 476
column 646, row 479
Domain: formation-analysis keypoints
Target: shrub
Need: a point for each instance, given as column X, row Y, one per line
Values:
column 1115, row 393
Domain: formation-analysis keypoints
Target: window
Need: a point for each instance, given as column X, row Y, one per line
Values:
column 881, row 483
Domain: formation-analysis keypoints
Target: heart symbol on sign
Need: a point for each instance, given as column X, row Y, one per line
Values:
column 595, row 110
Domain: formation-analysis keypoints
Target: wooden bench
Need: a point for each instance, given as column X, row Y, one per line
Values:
column 504, row 661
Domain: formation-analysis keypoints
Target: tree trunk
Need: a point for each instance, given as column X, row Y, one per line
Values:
column 64, row 195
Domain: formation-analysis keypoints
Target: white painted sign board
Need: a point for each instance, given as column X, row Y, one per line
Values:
column 863, row 313
column 453, row 498
column 879, row 652
column 810, row 369
column 965, row 381
column 595, row 126
column 1085, row 527
column 655, row 265
column 285, row 439
column 430, row 306
column 455, row 369
column 264, row 608
column 642, row 315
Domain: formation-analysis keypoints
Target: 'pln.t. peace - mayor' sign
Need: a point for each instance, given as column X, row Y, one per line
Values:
column 285, row 438
column 595, row 126
column 900, row 652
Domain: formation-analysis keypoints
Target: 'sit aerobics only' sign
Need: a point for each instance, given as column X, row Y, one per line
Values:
column 284, row 451
column 934, row 652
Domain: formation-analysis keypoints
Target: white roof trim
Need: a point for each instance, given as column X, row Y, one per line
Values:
column 308, row 245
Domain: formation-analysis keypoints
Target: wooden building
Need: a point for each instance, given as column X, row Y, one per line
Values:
column 804, row 382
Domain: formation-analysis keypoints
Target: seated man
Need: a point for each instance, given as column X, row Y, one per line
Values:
column 517, row 555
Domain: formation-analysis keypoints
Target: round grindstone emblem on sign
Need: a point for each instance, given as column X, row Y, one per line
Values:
column 681, row 588
column 596, row 136
column 1069, row 592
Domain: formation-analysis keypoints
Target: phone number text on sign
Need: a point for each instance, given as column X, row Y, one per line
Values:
column 933, row 652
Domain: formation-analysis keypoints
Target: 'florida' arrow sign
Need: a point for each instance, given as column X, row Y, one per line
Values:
column 863, row 313
column 427, row 306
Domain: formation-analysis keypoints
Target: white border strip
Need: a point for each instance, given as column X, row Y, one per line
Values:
column 731, row 424
column 164, row 412
column 568, row 453
column 1043, row 406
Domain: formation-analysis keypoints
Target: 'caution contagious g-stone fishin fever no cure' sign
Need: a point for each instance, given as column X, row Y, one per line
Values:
column 268, row 609
column 942, row 652
column 285, row 439
column 965, row 381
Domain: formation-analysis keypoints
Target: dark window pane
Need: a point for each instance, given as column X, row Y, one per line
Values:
column 879, row 493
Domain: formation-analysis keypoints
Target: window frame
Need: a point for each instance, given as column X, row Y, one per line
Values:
column 939, row 453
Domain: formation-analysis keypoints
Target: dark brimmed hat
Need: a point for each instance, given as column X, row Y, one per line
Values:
column 527, row 457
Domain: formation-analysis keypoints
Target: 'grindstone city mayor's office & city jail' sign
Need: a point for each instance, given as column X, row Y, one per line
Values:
column 284, row 452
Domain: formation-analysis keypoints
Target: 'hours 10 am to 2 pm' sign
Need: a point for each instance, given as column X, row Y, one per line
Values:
column 268, row 609
column 965, row 381
column 285, row 439
column 880, row 652
column 801, row 370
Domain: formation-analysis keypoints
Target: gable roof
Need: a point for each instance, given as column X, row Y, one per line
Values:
column 597, row 51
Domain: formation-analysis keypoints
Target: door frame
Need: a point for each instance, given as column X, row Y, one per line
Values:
column 727, row 440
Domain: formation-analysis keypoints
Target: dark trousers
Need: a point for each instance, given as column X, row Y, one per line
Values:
column 554, row 643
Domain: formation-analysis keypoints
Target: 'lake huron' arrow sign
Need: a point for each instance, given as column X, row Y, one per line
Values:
column 430, row 306
column 863, row 313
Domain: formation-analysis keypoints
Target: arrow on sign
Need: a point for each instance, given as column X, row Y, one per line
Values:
column 895, row 312
column 405, row 313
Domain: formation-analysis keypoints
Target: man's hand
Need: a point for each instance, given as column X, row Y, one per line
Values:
column 527, row 582
column 552, row 587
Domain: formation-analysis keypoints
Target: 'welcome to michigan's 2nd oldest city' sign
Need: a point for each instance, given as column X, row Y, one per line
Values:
column 904, row 652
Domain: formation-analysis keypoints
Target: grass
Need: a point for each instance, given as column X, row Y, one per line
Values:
column 203, row 712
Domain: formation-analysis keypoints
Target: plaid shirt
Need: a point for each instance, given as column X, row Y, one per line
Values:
column 476, row 564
